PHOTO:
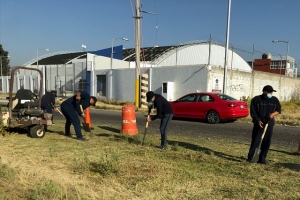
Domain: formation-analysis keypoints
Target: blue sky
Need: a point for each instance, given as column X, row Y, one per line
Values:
column 64, row 25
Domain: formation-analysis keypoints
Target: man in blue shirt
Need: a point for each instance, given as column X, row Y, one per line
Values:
column 71, row 109
column 263, row 109
column 164, row 112
column 48, row 102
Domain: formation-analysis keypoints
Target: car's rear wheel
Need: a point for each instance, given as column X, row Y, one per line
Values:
column 212, row 117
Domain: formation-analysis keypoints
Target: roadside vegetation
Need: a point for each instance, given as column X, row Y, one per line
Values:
column 115, row 166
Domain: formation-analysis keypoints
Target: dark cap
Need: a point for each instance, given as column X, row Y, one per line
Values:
column 149, row 95
column 54, row 92
column 268, row 88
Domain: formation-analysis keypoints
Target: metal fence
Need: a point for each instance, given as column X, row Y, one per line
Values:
column 66, row 79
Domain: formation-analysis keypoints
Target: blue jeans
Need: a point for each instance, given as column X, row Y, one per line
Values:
column 164, row 125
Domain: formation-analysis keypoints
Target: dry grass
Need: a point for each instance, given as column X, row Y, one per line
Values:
column 115, row 166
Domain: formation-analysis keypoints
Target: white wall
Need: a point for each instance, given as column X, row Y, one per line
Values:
column 102, row 62
column 246, row 84
column 186, row 79
column 123, row 84
column 238, row 83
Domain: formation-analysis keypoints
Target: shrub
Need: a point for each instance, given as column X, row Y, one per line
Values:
column 46, row 190
column 107, row 164
column 114, row 101
column 295, row 96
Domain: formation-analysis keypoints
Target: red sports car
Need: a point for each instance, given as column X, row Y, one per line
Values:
column 210, row 106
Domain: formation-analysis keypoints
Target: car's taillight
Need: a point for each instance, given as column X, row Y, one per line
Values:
column 232, row 105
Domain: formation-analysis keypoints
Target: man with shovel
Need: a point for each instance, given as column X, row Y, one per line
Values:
column 71, row 109
column 263, row 109
column 164, row 112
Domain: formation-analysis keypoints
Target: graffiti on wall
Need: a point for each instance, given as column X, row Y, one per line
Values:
column 237, row 88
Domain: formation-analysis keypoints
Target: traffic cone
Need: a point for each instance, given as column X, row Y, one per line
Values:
column 88, row 117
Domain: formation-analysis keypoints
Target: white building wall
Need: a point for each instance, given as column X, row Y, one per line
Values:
column 102, row 62
column 124, row 84
column 186, row 79
column 189, row 79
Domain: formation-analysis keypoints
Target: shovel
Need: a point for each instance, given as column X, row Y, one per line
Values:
column 146, row 128
column 85, row 126
column 258, row 150
column 58, row 110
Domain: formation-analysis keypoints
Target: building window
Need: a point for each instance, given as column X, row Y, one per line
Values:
column 274, row 65
column 101, row 85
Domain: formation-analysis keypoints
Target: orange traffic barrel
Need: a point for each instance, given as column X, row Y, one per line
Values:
column 88, row 117
column 129, row 120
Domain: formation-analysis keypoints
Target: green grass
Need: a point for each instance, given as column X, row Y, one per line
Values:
column 115, row 166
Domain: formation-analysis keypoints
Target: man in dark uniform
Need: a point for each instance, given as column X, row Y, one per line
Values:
column 263, row 109
column 71, row 109
column 48, row 102
column 164, row 112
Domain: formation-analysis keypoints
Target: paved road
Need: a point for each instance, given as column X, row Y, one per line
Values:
column 285, row 136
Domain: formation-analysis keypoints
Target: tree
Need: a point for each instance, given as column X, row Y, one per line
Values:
column 5, row 61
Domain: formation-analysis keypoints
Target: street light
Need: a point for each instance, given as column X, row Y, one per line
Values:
column 1, row 62
column 83, row 47
column 112, row 49
column 287, row 50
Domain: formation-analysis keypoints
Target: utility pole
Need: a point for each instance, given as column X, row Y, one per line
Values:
column 209, row 51
column 253, row 51
column 226, row 51
column 137, row 52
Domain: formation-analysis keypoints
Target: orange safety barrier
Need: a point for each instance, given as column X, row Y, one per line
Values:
column 129, row 120
column 88, row 117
